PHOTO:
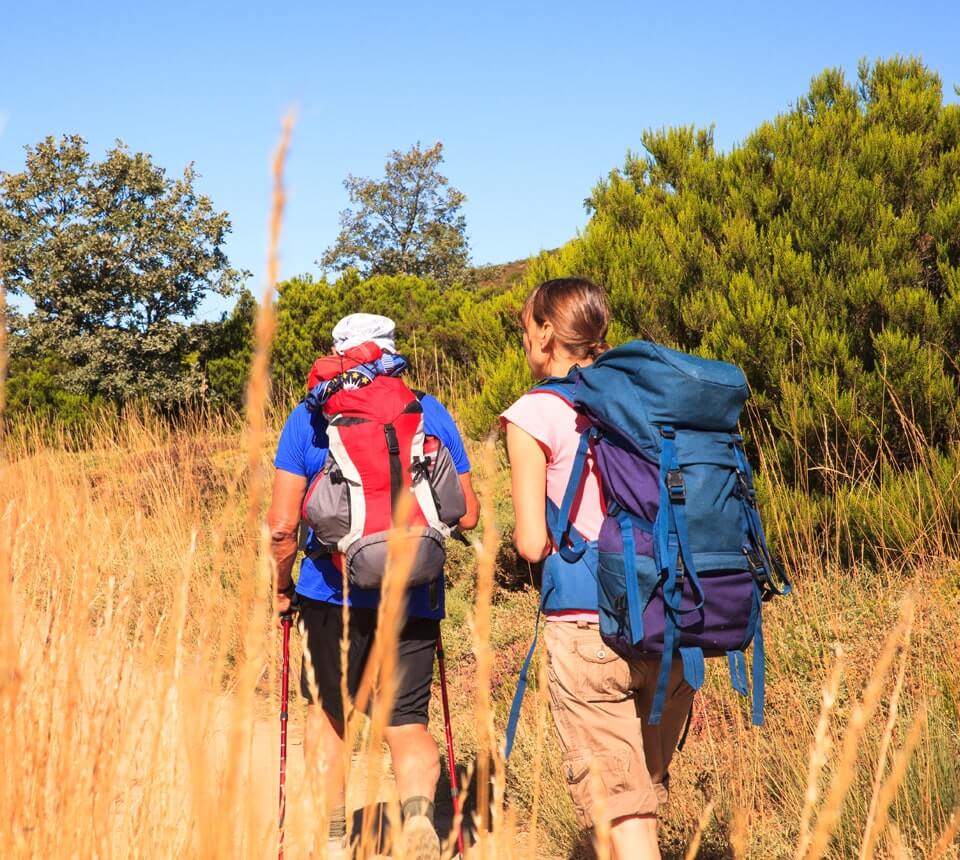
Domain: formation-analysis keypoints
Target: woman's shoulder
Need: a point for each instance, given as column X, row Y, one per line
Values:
column 538, row 401
column 542, row 413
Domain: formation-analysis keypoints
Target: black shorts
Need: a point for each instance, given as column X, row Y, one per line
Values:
column 323, row 623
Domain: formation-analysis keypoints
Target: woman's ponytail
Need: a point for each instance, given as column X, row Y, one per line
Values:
column 577, row 309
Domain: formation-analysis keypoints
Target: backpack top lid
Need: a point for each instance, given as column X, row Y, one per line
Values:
column 383, row 400
column 634, row 389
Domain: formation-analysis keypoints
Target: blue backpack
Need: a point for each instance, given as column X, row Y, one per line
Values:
column 683, row 566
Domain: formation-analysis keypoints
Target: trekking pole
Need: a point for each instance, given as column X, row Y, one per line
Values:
column 454, row 788
column 286, row 621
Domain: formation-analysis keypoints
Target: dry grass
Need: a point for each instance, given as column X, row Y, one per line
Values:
column 139, row 690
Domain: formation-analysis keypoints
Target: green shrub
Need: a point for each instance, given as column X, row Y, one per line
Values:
column 35, row 390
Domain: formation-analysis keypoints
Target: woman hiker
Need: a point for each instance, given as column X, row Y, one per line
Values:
column 597, row 699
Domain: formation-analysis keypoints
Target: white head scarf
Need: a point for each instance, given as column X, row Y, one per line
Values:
column 355, row 329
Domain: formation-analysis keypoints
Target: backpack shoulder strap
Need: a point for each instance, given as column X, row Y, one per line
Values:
column 561, row 386
column 565, row 536
column 570, row 544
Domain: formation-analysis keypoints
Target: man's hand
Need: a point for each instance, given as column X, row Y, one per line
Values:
column 286, row 603
column 469, row 519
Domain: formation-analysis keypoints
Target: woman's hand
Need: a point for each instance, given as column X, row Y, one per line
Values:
column 528, row 471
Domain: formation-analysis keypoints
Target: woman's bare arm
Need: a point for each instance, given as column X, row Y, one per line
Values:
column 528, row 468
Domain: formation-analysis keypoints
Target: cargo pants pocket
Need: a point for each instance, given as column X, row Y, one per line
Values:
column 614, row 778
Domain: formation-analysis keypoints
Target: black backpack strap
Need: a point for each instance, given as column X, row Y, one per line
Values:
column 767, row 570
column 396, row 469
column 686, row 729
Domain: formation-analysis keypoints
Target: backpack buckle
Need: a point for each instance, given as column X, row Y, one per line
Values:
column 746, row 491
column 419, row 470
column 754, row 561
column 675, row 486
column 393, row 443
column 758, row 568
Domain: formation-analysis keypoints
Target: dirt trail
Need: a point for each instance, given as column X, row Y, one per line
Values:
column 264, row 781
column 175, row 753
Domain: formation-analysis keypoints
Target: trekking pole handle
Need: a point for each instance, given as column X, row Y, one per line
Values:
column 293, row 609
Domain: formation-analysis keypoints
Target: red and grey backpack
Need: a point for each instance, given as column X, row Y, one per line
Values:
column 378, row 451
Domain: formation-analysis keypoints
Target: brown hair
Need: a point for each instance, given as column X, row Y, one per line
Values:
column 578, row 311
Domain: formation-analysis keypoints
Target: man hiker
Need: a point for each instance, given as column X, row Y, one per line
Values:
column 364, row 358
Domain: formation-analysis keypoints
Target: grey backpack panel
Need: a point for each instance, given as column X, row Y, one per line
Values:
column 335, row 509
column 447, row 492
column 326, row 508
column 366, row 559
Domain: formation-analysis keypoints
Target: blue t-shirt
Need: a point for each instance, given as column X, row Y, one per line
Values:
column 302, row 450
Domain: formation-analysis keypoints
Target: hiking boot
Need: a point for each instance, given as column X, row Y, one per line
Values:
column 419, row 839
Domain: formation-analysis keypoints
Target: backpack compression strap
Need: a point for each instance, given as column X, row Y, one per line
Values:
column 769, row 580
column 765, row 568
column 675, row 555
column 634, row 609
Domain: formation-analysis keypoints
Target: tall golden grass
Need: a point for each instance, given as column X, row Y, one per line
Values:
column 139, row 684
column 138, row 693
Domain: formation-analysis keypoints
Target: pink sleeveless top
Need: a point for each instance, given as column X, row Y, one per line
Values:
column 554, row 423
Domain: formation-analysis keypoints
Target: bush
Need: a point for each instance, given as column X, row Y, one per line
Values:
column 35, row 389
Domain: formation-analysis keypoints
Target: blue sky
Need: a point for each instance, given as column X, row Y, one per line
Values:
column 533, row 101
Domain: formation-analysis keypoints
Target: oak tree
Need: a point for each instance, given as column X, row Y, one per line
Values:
column 406, row 223
column 113, row 258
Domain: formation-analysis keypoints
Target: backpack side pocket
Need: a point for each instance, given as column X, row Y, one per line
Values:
column 326, row 508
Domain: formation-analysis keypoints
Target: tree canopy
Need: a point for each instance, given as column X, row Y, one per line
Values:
column 114, row 258
column 407, row 223
column 822, row 254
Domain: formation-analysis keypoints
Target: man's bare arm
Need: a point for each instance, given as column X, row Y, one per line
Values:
column 283, row 520
column 469, row 519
